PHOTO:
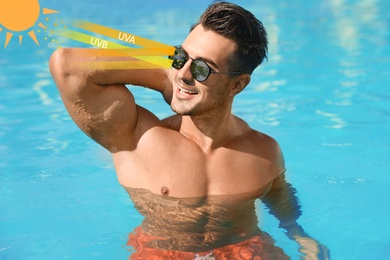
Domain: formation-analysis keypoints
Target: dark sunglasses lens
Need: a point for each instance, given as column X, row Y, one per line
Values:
column 200, row 71
column 179, row 58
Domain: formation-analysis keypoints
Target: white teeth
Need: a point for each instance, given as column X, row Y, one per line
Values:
column 185, row 91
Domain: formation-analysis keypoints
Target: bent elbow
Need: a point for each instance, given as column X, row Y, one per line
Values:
column 59, row 65
column 69, row 78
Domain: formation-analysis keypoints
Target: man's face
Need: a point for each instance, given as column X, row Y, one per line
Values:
column 191, row 97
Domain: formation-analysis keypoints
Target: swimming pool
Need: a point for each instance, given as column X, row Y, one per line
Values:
column 322, row 95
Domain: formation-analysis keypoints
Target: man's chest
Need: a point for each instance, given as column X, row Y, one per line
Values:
column 191, row 174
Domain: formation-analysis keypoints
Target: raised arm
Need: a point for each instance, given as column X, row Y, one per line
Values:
column 98, row 100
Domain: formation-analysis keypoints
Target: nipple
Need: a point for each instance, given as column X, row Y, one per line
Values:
column 164, row 191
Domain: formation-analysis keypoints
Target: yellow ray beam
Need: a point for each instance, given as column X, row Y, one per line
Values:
column 126, row 52
column 117, row 65
column 88, row 39
column 147, row 55
column 116, row 34
column 20, row 39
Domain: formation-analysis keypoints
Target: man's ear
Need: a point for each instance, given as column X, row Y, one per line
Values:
column 240, row 83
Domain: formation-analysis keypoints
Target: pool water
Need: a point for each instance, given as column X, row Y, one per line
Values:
column 323, row 94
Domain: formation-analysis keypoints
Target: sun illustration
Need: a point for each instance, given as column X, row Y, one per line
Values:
column 19, row 17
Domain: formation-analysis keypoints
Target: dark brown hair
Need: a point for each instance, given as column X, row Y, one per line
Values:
column 242, row 27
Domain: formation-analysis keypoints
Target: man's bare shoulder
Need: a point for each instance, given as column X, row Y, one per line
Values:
column 257, row 138
column 266, row 144
column 265, row 139
column 154, row 130
column 263, row 146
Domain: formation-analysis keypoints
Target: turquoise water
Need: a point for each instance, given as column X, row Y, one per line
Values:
column 323, row 95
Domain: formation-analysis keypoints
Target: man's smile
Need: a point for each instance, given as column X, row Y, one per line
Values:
column 187, row 91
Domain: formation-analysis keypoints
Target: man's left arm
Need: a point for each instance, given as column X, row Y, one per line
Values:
column 282, row 202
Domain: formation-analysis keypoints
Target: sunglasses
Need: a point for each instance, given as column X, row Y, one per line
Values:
column 200, row 70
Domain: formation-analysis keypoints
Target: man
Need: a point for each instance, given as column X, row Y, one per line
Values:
column 194, row 175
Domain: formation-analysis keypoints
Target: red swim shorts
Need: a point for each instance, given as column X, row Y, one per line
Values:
column 254, row 248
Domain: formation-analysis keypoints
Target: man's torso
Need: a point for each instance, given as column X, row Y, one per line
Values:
column 165, row 159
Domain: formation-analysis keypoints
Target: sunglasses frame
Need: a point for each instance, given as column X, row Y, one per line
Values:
column 179, row 62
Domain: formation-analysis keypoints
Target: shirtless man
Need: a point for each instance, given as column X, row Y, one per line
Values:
column 183, row 172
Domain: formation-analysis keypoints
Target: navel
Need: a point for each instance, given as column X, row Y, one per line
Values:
column 164, row 191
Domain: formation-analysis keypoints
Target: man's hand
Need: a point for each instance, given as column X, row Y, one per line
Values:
column 312, row 249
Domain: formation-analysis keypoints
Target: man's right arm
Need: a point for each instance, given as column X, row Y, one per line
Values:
column 282, row 202
column 98, row 100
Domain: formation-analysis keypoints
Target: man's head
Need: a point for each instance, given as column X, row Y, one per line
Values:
column 227, row 40
column 242, row 27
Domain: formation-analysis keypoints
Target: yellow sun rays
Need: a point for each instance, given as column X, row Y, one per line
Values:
column 14, row 19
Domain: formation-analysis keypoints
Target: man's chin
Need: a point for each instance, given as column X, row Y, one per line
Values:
column 179, row 109
column 181, row 112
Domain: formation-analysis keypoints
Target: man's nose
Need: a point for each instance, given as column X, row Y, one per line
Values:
column 185, row 73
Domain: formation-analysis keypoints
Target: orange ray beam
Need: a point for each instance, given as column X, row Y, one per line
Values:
column 42, row 26
column 8, row 37
column 33, row 36
column 20, row 39
column 49, row 11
